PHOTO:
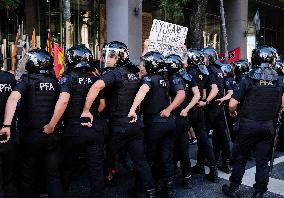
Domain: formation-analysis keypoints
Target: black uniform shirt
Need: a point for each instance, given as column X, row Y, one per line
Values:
column 111, row 77
column 229, row 83
column 7, row 82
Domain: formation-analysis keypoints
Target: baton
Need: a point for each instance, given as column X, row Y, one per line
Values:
column 227, row 126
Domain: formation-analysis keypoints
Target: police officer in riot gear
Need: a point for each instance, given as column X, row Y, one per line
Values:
column 77, row 139
column 279, row 68
column 7, row 143
column 38, row 93
column 159, row 123
column 194, row 64
column 181, row 80
column 121, row 82
column 261, row 94
column 215, row 111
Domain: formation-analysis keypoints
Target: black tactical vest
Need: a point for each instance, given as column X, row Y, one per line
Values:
column 262, row 100
column 7, row 81
column 158, row 97
column 80, row 85
column 219, row 77
column 121, row 95
column 39, row 101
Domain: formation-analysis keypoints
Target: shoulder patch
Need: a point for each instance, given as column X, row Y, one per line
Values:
column 63, row 80
column 176, row 81
column 147, row 79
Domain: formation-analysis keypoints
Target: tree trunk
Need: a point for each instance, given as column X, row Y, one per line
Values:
column 194, row 17
column 224, row 30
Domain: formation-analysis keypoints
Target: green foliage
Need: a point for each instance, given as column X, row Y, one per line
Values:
column 9, row 4
column 173, row 7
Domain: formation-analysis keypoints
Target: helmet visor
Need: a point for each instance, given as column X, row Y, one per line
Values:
column 110, row 57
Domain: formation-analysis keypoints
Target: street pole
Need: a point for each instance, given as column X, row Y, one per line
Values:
column 224, row 31
column 67, row 16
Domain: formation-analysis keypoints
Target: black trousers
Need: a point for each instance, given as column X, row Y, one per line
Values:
column 216, row 120
column 197, row 122
column 258, row 135
column 90, row 143
column 8, row 152
column 181, row 146
column 160, row 137
column 36, row 146
column 125, row 136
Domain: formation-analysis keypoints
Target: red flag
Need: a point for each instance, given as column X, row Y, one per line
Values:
column 49, row 44
column 58, row 60
column 234, row 55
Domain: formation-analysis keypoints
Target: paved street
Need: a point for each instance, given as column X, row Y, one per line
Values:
column 201, row 189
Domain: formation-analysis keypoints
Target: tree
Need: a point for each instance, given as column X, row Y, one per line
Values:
column 193, row 12
column 9, row 4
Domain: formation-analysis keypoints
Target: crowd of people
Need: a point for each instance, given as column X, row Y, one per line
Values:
column 111, row 111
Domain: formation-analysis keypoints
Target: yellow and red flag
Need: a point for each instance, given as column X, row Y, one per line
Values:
column 58, row 60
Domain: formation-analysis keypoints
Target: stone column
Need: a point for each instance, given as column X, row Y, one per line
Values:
column 123, row 25
column 236, row 13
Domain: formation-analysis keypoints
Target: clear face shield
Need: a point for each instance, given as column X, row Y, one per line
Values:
column 109, row 57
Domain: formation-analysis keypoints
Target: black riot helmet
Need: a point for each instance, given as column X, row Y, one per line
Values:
column 264, row 54
column 241, row 67
column 278, row 67
column 211, row 54
column 1, row 60
column 194, row 57
column 173, row 63
column 153, row 62
column 39, row 61
column 117, row 50
column 79, row 57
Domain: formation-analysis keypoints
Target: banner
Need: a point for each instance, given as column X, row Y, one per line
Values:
column 167, row 38
column 58, row 60
column 234, row 55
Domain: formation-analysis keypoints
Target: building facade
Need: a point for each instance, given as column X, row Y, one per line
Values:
column 93, row 22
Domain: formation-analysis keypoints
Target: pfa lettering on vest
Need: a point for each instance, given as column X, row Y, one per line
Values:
column 265, row 83
column 5, row 88
column 46, row 87
column 200, row 77
column 84, row 81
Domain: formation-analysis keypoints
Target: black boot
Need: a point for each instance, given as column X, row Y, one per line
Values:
column 257, row 195
column 213, row 175
column 230, row 192
column 198, row 169
column 226, row 167
column 187, row 183
column 170, row 189
column 151, row 193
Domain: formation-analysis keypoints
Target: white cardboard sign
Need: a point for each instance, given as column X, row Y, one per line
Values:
column 167, row 38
